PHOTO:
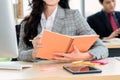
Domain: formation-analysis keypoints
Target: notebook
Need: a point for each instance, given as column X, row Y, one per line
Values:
column 52, row 42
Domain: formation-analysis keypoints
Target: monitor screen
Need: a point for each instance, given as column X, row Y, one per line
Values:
column 8, row 41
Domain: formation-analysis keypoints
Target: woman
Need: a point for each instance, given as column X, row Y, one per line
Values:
column 55, row 15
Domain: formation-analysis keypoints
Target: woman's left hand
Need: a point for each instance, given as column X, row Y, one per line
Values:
column 76, row 55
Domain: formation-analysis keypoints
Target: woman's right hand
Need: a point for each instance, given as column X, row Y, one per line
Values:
column 36, row 44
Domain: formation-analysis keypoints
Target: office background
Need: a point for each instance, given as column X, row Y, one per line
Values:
column 85, row 7
column 37, row 71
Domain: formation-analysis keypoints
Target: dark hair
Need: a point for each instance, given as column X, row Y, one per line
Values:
column 101, row 1
column 33, row 20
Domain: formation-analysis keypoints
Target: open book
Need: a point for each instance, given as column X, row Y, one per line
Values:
column 52, row 42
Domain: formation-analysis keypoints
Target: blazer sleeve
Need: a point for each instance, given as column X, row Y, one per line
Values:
column 24, row 52
column 98, row 50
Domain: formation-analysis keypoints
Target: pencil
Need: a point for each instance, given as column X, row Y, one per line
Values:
column 30, row 40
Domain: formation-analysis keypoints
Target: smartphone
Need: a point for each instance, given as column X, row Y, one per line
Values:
column 84, row 69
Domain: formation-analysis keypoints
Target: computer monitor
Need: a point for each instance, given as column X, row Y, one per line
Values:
column 8, row 41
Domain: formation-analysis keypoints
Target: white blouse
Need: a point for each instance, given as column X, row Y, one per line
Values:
column 48, row 24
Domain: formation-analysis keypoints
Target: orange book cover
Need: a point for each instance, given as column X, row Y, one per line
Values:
column 52, row 42
column 83, row 42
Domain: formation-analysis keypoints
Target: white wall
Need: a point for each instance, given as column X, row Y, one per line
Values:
column 74, row 4
column 118, row 5
column 93, row 7
column 26, row 8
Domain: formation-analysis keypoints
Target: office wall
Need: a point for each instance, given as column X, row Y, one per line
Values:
column 92, row 7
column 26, row 8
column 86, row 7
column 74, row 4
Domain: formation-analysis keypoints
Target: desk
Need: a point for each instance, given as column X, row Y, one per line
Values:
column 114, row 47
column 112, row 43
column 110, row 71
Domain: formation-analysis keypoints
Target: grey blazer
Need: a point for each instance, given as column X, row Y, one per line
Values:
column 68, row 22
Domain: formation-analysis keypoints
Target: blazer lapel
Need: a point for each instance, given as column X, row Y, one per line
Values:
column 59, row 20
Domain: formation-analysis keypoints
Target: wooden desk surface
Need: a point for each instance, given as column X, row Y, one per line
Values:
column 113, row 43
column 39, row 71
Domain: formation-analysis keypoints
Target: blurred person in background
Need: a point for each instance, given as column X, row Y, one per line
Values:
column 106, row 23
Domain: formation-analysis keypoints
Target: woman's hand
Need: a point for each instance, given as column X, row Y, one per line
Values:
column 36, row 44
column 76, row 55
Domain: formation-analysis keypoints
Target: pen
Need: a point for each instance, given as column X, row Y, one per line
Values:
column 30, row 40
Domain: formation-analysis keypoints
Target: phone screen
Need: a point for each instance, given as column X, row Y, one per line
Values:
column 81, row 69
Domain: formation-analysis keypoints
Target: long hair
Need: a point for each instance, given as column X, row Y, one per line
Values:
column 101, row 1
column 33, row 20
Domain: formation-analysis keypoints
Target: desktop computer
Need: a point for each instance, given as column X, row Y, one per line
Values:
column 8, row 41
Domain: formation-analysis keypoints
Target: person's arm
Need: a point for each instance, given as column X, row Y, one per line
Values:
column 98, row 50
column 25, row 54
column 75, row 55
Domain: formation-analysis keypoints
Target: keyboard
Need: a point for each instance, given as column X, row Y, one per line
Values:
column 13, row 65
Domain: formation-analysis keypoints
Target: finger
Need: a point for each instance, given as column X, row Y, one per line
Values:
column 57, row 61
column 58, row 54
column 53, row 60
column 119, row 29
column 33, row 43
column 34, row 38
column 39, row 37
column 60, row 59
column 65, row 55
column 36, row 44
column 76, row 49
column 36, row 41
